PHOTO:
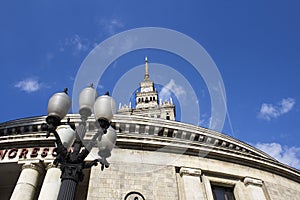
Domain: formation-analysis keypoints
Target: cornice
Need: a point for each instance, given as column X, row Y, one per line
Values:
column 130, row 124
column 152, row 134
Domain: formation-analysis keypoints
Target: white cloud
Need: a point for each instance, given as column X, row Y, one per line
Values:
column 205, row 121
column 28, row 85
column 284, row 154
column 75, row 42
column 269, row 111
column 287, row 105
column 111, row 26
column 178, row 90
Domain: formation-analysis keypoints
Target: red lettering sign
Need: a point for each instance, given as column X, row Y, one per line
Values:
column 27, row 152
column 34, row 152
column 23, row 153
column 12, row 153
column 45, row 152
column 2, row 154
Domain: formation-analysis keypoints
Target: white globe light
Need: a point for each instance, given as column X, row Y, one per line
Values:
column 66, row 135
column 59, row 105
column 87, row 99
column 107, row 143
column 105, row 107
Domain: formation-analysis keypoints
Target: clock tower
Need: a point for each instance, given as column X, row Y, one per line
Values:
column 147, row 97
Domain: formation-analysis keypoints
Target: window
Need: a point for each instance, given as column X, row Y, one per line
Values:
column 168, row 116
column 132, row 128
column 222, row 193
column 142, row 129
column 121, row 128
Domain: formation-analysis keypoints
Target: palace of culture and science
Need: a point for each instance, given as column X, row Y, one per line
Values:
column 147, row 101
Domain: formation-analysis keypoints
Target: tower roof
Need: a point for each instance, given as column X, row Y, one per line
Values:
column 146, row 77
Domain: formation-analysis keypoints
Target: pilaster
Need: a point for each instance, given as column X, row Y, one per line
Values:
column 193, row 188
column 254, row 188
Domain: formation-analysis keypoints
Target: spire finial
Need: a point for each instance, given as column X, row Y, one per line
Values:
column 146, row 78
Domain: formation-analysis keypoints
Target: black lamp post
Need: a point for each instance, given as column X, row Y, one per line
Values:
column 72, row 162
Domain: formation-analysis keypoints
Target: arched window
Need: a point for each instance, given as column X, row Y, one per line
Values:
column 134, row 195
column 168, row 116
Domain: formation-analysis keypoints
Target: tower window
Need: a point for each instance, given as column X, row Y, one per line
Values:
column 132, row 128
column 150, row 98
column 146, row 101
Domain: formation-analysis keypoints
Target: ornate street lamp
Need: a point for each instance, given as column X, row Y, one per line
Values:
column 72, row 162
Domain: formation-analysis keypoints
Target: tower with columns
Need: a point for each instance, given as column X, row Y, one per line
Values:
column 147, row 101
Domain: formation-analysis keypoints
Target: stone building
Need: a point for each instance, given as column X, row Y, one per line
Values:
column 155, row 158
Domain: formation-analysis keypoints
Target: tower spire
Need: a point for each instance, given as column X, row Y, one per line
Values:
column 146, row 77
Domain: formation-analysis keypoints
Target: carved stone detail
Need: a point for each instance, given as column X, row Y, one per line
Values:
column 253, row 181
column 190, row 171
column 50, row 165
column 36, row 166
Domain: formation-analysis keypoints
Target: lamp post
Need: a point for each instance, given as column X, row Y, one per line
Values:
column 73, row 162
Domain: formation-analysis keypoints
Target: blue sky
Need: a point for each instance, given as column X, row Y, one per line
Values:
column 255, row 45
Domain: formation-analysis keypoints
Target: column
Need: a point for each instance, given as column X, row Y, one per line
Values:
column 51, row 184
column 26, row 186
column 254, row 188
column 192, row 185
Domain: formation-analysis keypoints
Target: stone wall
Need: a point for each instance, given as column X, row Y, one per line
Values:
column 279, row 191
column 161, row 176
column 120, row 179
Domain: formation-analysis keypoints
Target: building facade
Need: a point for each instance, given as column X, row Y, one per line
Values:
column 155, row 158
